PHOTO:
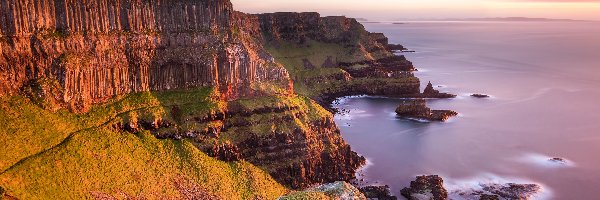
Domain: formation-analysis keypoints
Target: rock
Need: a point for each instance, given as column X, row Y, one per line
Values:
column 395, row 47
column 378, row 192
column 495, row 191
column 431, row 92
column 512, row 190
column 480, row 95
column 226, row 152
column 417, row 108
column 558, row 160
column 339, row 190
column 429, row 89
column 488, row 197
column 426, row 188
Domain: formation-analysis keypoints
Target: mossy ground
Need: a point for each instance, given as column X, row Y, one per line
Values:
column 306, row 196
column 61, row 155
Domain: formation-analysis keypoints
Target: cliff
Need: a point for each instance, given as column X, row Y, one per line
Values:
column 330, row 57
column 98, row 49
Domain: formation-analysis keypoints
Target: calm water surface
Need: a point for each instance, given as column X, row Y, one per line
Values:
column 545, row 82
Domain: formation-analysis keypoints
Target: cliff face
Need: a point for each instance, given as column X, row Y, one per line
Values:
column 299, row 28
column 330, row 57
column 99, row 49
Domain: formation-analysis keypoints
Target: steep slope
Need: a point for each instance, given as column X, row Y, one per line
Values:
column 74, row 156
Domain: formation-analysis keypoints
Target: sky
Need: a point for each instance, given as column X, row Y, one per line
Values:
column 430, row 9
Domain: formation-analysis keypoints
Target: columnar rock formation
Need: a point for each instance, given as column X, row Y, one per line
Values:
column 99, row 49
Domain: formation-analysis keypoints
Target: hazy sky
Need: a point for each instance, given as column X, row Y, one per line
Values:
column 395, row 9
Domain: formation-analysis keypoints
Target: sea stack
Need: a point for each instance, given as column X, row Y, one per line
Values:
column 430, row 92
column 417, row 108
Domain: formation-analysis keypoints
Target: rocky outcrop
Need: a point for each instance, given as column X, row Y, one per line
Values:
column 99, row 49
column 377, row 192
column 431, row 187
column 426, row 187
column 492, row 191
column 286, row 137
column 480, row 95
column 417, row 108
column 430, row 92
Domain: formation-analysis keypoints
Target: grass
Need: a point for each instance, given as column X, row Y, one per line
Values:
column 102, row 161
column 306, row 196
column 315, row 82
column 62, row 155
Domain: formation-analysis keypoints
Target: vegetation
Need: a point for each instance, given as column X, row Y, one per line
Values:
column 306, row 196
column 61, row 155
column 315, row 81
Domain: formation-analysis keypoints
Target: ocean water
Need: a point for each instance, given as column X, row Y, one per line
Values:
column 544, row 79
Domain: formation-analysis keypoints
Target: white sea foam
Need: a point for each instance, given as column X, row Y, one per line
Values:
column 545, row 161
column 456, row 187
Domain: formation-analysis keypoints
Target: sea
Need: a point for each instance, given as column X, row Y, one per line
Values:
column 543, row 79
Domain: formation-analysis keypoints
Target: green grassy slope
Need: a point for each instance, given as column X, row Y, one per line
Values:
column 61, row 155
column 314, row 82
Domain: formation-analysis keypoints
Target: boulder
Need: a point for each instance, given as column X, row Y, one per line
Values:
column 378, row 192
column 429, row 187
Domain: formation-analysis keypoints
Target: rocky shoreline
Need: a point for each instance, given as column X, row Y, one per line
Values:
column 432, row 187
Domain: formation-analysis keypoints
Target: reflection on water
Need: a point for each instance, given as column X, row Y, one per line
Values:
column 544, row 80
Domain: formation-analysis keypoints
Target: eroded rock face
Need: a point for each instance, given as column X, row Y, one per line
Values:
column 296, row 149
column 417, row 108
column 426, row 188
column 100, row 49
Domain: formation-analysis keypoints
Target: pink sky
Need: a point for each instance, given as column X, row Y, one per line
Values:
column 395, row 9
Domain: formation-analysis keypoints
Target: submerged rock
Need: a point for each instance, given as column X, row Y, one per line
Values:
column 378, row 192
column 480, row 95
column 558, row 160
column 512, row 190
column 426, row 188
column 417, row 108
